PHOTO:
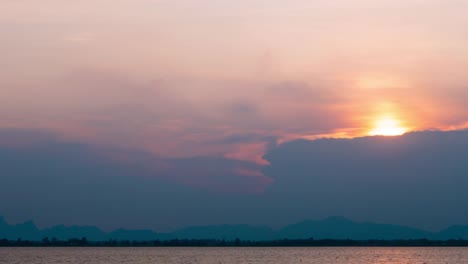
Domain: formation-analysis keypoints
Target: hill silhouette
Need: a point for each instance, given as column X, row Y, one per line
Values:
column 338, row 228
column 342, row 228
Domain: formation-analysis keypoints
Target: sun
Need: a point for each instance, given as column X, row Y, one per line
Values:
column 388, row 126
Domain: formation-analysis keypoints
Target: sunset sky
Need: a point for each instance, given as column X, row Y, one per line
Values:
column 215, row 83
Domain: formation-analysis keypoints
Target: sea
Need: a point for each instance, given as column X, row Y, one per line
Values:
column 306, row 255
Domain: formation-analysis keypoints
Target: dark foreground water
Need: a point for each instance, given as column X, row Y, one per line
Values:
column 234, row 255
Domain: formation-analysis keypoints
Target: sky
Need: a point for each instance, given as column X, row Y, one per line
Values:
column 198, row 94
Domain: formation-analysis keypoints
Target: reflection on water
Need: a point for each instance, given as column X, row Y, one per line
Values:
column 234, row 255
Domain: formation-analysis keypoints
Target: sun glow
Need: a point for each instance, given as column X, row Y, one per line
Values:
column 388, row 126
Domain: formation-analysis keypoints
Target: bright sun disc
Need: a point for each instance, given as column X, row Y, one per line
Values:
column 387, row 126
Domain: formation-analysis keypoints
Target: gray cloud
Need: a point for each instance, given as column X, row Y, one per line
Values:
column 419, row 179
column 54, row 181
column 240, row 138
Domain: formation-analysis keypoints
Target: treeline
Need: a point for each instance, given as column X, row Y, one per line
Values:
column 83, row 242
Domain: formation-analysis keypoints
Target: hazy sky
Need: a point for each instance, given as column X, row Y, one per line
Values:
column 171, row 76
column 228, row 80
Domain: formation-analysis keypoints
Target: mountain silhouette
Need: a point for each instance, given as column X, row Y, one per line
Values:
column 453, row 232
column 62, row 232
column 329, row 228
column 27, row 230
column 342, row 228
column 139, row 235
column 227, row 232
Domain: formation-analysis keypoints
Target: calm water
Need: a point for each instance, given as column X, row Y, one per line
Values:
column 234, row 255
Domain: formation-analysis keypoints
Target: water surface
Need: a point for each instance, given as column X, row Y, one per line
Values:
column 234, row 255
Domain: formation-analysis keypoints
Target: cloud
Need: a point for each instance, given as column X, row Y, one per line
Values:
column 169, row 117
column 243, row 108
column 56, row 181
column 417, row 179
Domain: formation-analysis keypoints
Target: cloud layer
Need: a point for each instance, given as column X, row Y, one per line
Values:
column 169, row 76
column 418, row 179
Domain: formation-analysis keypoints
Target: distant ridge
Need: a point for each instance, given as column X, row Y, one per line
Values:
column 342, row 228
column 329, row 228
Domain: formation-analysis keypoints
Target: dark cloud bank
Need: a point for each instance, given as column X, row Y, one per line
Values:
column 419, row 179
